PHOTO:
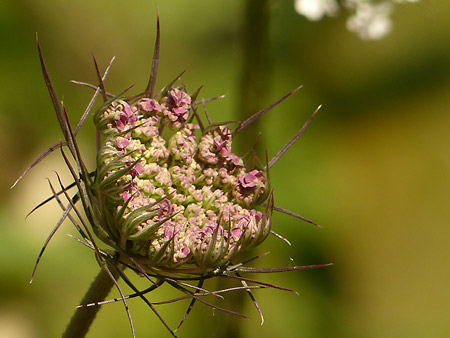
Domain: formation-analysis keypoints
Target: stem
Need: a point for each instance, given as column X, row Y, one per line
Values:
column 83, row 317
column 254, row 87
column 254, row 81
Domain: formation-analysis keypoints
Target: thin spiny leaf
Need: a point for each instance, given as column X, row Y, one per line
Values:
column 50, row 236
column 249, row 269
column 255, row 158
column 83, row 195
column 146, row 301
column 105, row 99
column 169, row 301
column 173, row 300
column 183, row 86
column 72, row 202
column 89, row 85
column 255, row 116
column 216, row 307
column 190, row 307
column 75, row 198
column 214, row 125
column 94, row 97
column 237, row 288
column 73, row 146
column 293, row 214
column 50, row 88
column 100, row 80
column 280, row 237
column 39, row 159
column 203, row 101
column 179, row 282
column 88, row 244
column 135, row 267
column 133, row 295
column 292, row 140
column 208, row 118
column 234, row 267
column 252, row 297
column 194, row 95
column 122, row 295
column 152, row 80
column 163, row 92
column 207, row 303
column 254, row 281
column 194, row 110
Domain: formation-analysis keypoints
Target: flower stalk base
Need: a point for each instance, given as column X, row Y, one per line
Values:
column 83, row 317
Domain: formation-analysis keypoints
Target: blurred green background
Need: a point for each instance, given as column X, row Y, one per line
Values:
column 373, row 167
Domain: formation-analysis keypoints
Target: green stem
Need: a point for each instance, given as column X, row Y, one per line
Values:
column 254, row 88
column 83, row 317
column 254, row 81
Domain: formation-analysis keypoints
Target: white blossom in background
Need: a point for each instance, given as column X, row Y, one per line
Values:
column 315, row 10
column 371, row 20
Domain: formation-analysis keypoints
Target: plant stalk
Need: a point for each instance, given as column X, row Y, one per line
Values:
column 253, row 89
column 83, row 317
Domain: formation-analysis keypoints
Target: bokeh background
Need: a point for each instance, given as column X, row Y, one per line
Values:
column 373, row 167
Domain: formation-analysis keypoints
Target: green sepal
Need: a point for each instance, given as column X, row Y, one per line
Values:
column 145, row 233
column 136, row 217
column 118, row 174
column 157, row 260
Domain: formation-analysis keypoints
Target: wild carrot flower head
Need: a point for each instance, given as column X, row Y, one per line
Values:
column 177, row 198
column 168, row 194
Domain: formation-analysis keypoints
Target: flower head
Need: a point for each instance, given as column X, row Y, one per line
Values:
column 181, row 202
column 168, row 195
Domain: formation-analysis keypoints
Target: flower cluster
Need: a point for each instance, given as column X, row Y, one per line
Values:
column 174, row 196
column 168, row 196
